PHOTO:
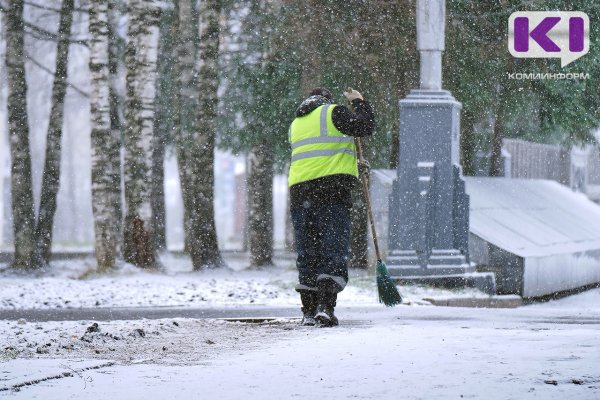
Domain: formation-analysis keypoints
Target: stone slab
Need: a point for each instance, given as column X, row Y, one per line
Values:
column 507, row 301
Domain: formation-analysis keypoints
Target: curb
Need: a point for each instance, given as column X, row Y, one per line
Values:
column 508, row 301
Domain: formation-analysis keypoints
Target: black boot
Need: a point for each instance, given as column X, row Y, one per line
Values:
column 309, row 308
column 324, row 315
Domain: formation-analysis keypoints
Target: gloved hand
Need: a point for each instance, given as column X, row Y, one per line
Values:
column 352, row 94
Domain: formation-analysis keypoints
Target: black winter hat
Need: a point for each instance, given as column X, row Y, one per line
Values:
column 321, row 91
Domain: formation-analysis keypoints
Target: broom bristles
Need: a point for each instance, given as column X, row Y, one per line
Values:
column 386, row 287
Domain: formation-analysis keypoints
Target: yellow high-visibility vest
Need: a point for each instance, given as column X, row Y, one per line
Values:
column 318, row 148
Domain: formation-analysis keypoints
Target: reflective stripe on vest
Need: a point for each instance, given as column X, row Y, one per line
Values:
column 322, row 139
column 322, row 150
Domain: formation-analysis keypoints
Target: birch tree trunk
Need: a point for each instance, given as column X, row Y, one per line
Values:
column 141, row 56
column 116, row 67
column 260, row 157
column 105, row 144
column 260, row 204
column 18, row 128
column 186, row 30
column 51, row 174
column 157, row 189
column 203, row 242
column 162, row 126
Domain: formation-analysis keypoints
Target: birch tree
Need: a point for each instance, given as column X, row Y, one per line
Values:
column 105, row 142
column 141, row 56
column 185, row 29
column 260, row 156
column 203, row 242
column 260, row 204
column 21, row 192
column 51, row 174
column 116, row 82
column 162, row 126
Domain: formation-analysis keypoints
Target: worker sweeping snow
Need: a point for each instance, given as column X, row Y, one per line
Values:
column 323, row 173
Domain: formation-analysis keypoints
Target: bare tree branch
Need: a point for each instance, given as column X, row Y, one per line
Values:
column 49, row 71
column 41, row 7
column 43, row 34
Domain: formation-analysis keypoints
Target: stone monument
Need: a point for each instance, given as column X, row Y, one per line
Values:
column 429, row 209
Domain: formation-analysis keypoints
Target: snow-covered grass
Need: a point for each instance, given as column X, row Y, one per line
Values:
column 73, row 284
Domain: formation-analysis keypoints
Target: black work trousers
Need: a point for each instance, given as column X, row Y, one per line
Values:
column 322, row 235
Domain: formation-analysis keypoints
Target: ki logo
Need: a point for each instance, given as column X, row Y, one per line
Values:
column 549, row 34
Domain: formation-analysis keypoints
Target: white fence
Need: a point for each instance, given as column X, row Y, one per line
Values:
column 578, row 168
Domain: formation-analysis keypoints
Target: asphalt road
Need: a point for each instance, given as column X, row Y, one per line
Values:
column 112, row 314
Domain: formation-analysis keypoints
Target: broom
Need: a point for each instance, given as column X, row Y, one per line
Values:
column 386, row 288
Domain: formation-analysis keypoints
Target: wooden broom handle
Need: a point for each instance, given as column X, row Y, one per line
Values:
column 365, row 184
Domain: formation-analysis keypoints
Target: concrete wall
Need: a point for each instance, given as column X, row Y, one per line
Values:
column 507, row 267
column 535, row 276
column 561, row 272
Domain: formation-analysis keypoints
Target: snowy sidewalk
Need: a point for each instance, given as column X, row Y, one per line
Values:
column 409, row 352
column 413, row 351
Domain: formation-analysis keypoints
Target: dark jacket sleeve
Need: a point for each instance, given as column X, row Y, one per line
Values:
column 360, row 122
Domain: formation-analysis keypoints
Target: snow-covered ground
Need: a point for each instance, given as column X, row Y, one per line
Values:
column 413, row 351
column 546, row 351
column 69, row 284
